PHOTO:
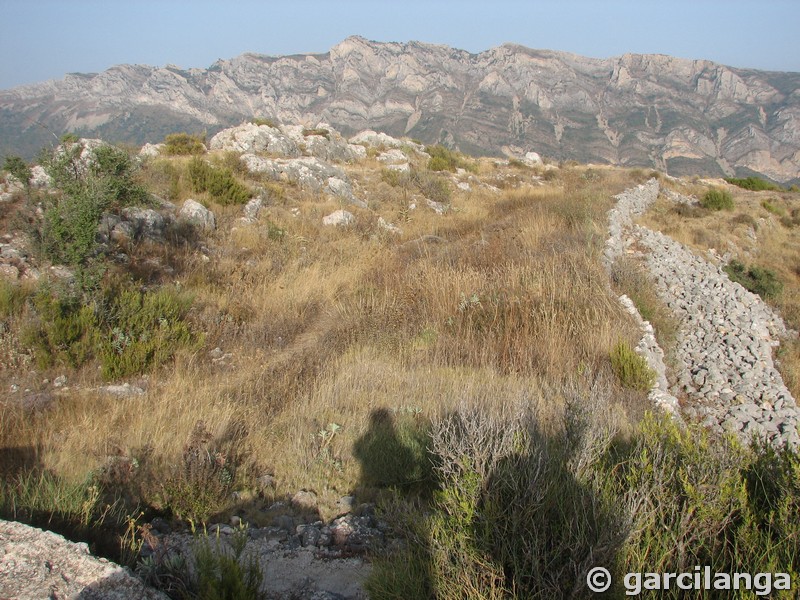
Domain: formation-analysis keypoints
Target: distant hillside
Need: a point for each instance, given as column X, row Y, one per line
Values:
column 683, row 116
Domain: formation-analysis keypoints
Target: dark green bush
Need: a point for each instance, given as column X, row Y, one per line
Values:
column 717, row 200
column 18, row 168
column 184, row 144
column 12, row 298
column 64, row 332
column 219, row 183
column 755, row 184
column 758, row 280
column 105, row 180
column 264, row 121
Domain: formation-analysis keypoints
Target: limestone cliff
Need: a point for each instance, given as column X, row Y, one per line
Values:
column 644, row 110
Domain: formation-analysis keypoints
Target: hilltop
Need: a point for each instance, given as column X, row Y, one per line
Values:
column 679, row 116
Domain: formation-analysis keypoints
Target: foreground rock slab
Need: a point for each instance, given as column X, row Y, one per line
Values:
column 36, row 564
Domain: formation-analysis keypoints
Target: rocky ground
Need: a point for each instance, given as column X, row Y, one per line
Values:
column 725, row 374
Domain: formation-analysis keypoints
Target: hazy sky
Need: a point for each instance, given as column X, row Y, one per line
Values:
column 44, row 39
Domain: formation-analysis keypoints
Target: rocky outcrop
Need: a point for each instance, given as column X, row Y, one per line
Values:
column 681, row 116
column 37, row 564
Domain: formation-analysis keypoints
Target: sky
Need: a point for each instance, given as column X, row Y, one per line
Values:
column 45, row 39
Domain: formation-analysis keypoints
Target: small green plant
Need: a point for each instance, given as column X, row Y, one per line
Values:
column 226, row 573
column 630, row 368
column 184, row 144
column 717, row 200
column 220, row 183
column 13, row 298
column 758, row 280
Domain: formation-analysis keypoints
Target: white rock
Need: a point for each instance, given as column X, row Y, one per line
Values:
column 532, row 159
column 339, row 218
column 390, row 227
column 150, row 150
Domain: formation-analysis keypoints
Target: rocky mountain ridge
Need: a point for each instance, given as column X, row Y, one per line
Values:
column 678, row 115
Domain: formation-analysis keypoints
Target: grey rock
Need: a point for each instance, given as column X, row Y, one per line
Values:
column 198, row 215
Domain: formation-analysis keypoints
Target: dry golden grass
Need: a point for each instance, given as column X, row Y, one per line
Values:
column 501, row 300
column 753, row 235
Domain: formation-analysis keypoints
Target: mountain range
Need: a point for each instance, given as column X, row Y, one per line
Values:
column 680, row 116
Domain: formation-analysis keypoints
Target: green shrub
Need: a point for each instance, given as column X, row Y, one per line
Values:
column 522, row 514
column 64, row 331
column 220, row 183
column 755, row 184
column 184, row 144
column 227, row 576
column 89, row 186
column 631, row 369
column 129, row 330
column 717, row 200
column 444, row 159
column 758, row 280
column 12, row 298
column 142, row 329
column 773, row 208
column 704, row 501
column 18, row 168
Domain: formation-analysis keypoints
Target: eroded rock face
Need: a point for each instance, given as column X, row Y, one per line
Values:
column 681, row 116
column 36, row 564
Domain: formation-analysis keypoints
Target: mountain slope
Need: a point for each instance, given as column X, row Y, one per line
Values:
column 647, row 110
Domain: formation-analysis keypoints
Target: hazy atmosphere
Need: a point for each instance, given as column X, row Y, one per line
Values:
column 46, row 39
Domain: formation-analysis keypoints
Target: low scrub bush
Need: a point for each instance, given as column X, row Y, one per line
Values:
column 264, row 121
column 220, row 183
column 431, row 185
column 201, row 484
column 220, row 570
column 631, row 369
column 758, row 280
column 12, row 298
column 444, row 159
column 184, row 144
column 128, row 330
column 524, row 514
column 717, row 200
column 770, row 207
column 18, row 168
column 755, row 184
column 89, row 185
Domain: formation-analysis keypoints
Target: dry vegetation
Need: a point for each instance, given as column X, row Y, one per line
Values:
column 444, row 372
column 326, row 325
